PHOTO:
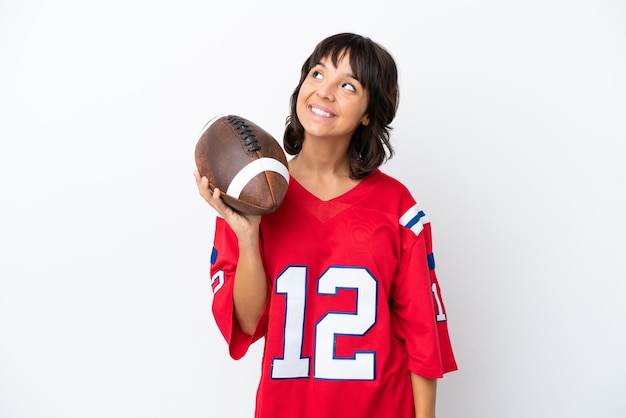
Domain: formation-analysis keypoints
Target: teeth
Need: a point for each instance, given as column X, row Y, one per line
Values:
column 320, row 112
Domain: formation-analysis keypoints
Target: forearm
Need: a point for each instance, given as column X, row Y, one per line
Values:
column 424, row 396
column 250, row 287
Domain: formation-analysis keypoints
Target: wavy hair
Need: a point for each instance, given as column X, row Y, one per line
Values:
column 376, row 70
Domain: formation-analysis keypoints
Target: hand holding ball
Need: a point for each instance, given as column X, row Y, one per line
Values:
column 245, row 162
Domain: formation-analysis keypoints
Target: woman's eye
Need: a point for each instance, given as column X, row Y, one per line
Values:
column 316, row 74
column 350, row 87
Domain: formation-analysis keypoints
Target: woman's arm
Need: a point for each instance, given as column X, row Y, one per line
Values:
column 424, row 396
column 250, row 286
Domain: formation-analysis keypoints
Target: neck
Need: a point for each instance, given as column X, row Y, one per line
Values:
column 323, row 157
column 325, row 175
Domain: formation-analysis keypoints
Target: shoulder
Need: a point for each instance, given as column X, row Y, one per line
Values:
column 410, row 213
column 383, row 179
column 389, row 188
column 393, row 191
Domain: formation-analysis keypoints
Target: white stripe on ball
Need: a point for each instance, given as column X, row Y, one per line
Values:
column 209, row 123
column 252, row 169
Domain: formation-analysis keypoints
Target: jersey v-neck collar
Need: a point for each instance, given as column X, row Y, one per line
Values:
column 305, row 193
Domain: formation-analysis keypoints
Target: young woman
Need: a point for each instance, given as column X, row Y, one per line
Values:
column 340, row 279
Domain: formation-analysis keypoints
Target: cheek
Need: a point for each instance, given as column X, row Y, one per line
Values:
column 301, row 103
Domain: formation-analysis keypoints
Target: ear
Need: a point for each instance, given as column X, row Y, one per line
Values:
column 365, row 120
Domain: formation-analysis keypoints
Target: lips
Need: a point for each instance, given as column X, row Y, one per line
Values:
column 321, row 112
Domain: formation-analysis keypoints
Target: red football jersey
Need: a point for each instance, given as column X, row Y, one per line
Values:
column 354, row 303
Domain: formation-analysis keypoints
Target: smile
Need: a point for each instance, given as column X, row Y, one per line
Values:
column 320, row 112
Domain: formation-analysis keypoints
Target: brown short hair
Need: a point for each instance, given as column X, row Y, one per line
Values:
column 376, row 70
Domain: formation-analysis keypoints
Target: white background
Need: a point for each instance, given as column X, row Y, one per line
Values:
column 511, row 134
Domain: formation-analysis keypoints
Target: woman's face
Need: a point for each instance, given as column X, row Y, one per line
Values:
column 331, row 101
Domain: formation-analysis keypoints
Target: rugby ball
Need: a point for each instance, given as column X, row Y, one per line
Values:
column 245, row 162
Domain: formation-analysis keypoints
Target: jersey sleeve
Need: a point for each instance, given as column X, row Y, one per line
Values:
column 418, row 313
column 224, row 256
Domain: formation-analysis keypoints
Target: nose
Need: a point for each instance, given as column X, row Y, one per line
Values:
column 326, row 92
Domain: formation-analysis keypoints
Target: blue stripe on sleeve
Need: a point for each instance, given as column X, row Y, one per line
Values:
column 431, row 261
column 415, row 219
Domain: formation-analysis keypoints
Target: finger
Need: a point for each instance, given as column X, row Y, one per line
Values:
column 198, row 178
column 203, row 185
column 215, row 200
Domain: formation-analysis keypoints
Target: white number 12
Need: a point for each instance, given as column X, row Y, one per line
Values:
column 292, row 283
